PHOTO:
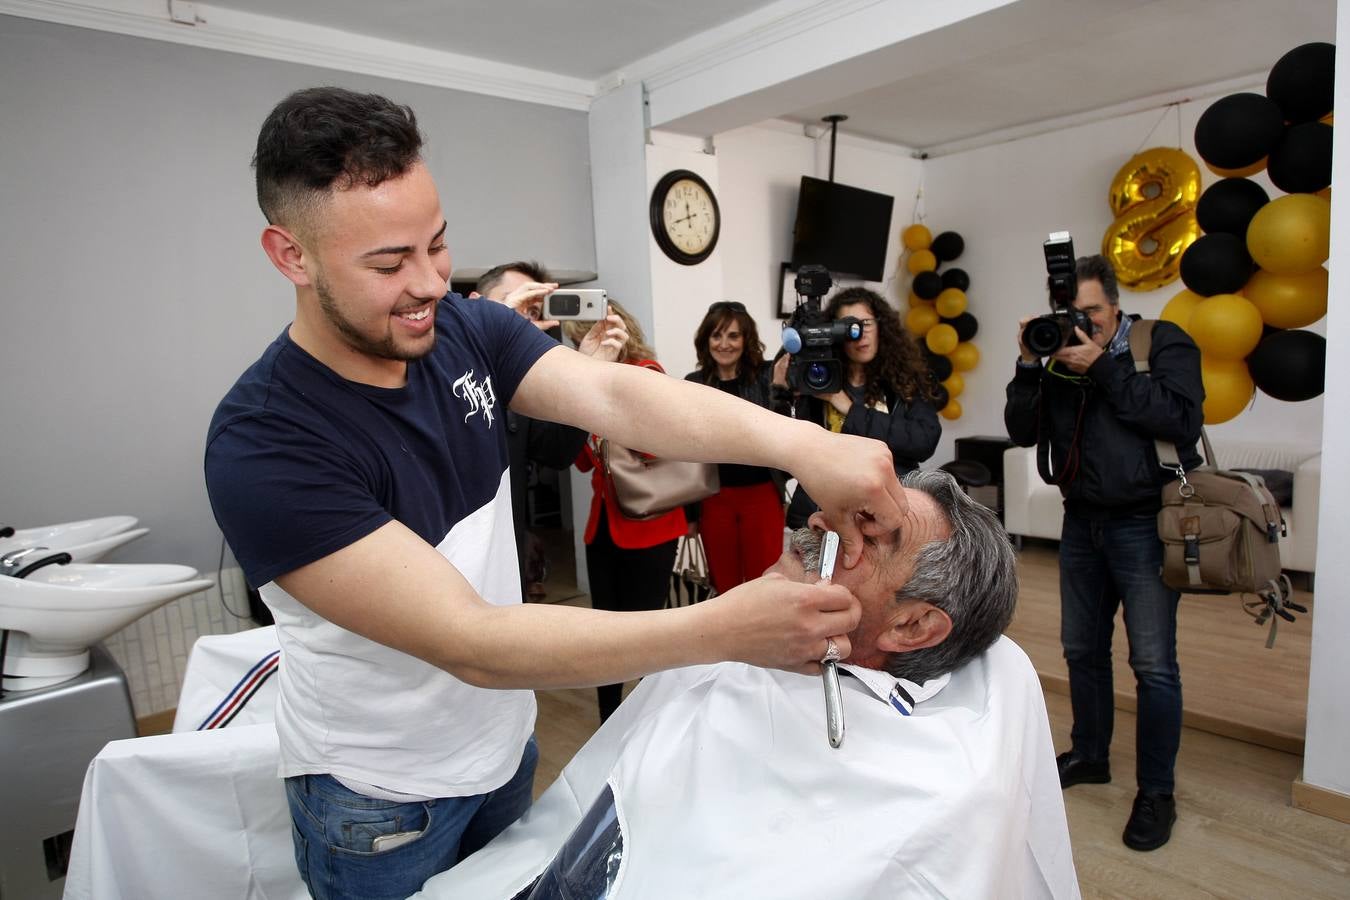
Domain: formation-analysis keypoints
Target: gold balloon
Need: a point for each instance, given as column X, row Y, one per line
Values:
column 921, row 261
column 942, row 339
column 916, row 237
column 952, row 410
column 920, row 320
column 1244, row 172
column 916, row 300
column 1291, row 234
column 965, row 357
column 951, row 303
column 1289, row 301
column 1225, row 326
column 1153, row 199
column 1228, row 388
column 1178, row 310
column 954, row 384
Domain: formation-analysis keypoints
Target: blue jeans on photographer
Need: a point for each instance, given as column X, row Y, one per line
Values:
column 348, row 845
column 1103, row 564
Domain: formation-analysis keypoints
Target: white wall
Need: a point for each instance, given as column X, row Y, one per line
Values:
column 135, row 291
column 1326, row 760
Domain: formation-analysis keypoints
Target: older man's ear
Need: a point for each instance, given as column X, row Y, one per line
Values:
column 916, row 624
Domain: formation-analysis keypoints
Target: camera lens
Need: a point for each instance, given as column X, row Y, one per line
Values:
column 1042, row 336
column 817, row 376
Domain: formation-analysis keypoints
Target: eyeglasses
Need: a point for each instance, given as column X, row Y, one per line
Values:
column 868, row 324
column 733, row 305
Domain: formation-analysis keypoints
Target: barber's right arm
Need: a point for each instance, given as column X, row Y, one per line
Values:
column 1021, row 409
column 394, row 588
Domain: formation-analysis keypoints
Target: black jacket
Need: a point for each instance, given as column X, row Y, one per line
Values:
column 1122, row 413
column 911, row 431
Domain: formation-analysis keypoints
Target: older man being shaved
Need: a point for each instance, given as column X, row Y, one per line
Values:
column 718, row 781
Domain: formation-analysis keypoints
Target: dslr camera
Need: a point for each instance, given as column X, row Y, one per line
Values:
column 1044, row 335
column 815, row 342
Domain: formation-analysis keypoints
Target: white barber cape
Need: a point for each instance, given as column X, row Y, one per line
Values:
column 718, row 781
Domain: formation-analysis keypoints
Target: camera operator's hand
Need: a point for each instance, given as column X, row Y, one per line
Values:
column 1079, row 357
column 840, row 400
column 606, row 339
column 780, row 367
column 1027, row 356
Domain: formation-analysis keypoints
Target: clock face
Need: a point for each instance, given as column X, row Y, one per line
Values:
column 685, row 217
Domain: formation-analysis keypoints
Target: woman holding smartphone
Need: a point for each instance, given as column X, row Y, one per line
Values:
column 628, row 560
column 742, row 524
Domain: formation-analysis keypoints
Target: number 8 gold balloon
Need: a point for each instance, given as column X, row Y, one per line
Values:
column 1153, row 197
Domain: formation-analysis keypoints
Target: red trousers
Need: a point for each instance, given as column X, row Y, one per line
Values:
column 742, row 531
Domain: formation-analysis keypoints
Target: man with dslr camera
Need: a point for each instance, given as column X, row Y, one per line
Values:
column 1096, row 419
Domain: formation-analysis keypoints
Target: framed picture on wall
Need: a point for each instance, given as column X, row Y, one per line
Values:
column 787, row 290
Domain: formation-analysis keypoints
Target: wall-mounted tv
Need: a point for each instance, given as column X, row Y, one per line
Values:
column 845, row 229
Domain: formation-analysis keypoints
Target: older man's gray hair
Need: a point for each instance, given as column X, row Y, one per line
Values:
column 971, row 576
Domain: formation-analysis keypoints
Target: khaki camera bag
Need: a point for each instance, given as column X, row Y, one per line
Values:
column 1220, row 529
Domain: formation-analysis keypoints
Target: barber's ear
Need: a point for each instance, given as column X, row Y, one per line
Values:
column 287, row 254
column 914, row 626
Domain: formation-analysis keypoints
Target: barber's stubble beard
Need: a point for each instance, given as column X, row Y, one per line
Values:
column 383, row 349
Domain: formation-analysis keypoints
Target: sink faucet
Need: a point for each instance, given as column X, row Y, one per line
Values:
column 12, row 563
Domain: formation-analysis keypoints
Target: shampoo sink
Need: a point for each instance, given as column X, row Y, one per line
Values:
column 56, row 613
column 87, row 540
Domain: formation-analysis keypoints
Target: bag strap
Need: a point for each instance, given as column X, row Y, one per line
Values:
column 1141, row 343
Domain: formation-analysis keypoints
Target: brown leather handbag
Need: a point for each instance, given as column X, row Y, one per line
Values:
column 645, row 487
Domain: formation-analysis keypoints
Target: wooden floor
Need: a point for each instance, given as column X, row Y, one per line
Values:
column 1231, row 684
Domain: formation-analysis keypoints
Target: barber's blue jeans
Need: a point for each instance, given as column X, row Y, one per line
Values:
column 334, row 830
column 1103, row 564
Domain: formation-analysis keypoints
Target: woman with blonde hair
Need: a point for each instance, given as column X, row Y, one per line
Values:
column 628, row 560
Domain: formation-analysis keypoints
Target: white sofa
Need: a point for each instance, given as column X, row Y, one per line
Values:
column 1032, row 508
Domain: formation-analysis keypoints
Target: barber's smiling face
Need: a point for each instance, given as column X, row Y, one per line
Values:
column 887, row 563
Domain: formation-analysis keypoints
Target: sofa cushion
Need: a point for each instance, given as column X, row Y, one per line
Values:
column 1279, row 482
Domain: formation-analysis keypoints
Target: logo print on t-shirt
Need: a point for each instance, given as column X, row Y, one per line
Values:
column 481, row 397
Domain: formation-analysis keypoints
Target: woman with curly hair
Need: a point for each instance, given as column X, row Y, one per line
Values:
column 742, row 524
column 887, row 392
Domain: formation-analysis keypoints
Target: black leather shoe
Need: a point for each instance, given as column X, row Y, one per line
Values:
column 1151, row 820
column 1074, row 769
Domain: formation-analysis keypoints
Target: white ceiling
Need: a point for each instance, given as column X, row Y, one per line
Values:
column 1012, row 64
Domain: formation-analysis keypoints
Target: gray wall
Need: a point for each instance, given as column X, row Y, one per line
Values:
column 133, row 290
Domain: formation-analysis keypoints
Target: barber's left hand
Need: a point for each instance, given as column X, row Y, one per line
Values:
column 852, row 479
column 1079, row 357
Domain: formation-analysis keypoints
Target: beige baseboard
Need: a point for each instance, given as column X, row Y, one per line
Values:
column 1320, row 800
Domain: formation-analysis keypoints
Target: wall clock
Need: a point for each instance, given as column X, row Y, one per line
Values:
column 685, row 218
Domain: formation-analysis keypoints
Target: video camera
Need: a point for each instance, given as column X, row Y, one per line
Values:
column 815, row 342
column 1044, row 335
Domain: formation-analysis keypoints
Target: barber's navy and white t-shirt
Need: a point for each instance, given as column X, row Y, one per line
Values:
column 301, row 462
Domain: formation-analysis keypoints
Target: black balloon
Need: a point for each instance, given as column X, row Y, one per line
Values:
column 1238, row 130
column 940, row 366
column 943, row 396
column 1290, row 365
column 965, row 324
column 948, row 246
column 1228, row 205
column 927, row 285
column 1303, row 82
column 956, row 278
column 1216, row 264
column 1301, row 161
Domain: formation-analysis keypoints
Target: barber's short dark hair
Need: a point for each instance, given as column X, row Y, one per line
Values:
column 971, row 576
column 529, row 268
column 323, row 138
column 1099, row 269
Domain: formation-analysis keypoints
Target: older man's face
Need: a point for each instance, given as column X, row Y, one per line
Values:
column 887, row 563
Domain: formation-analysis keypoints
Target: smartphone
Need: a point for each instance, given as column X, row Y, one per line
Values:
column 587, row 305
column 392, row 841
